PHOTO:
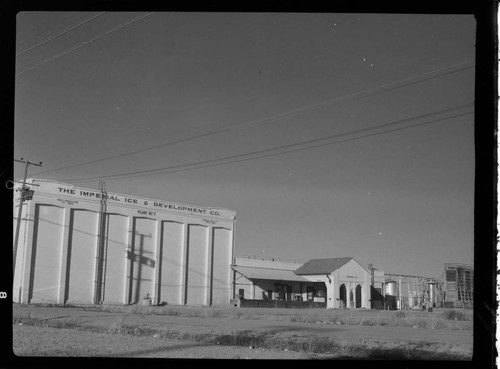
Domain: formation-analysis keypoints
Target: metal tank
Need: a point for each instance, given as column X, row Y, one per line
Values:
column 432, row 294
column 391, row 292
column 391, row 288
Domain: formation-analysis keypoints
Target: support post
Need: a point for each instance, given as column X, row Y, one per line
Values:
column 66, row 252
column 210, row 264
column 158, row 263
column 184, row 267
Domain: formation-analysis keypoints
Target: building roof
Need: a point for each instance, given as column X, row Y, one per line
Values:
column 266, row 263
column 269, row 274
column 322, row 266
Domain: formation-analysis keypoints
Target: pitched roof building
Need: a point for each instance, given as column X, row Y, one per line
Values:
column 336, row 282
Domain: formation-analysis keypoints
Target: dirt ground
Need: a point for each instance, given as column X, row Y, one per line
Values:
column 55, row 342
column 46, row 341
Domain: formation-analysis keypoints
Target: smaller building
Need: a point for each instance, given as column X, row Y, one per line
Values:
column 347, row 283
column 332, row 282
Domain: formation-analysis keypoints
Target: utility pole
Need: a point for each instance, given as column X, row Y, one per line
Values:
column 24, row 193
column 101, row 254
column 372, row 287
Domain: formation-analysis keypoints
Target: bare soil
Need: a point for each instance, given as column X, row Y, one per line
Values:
column 94, row 334
column 59, row 342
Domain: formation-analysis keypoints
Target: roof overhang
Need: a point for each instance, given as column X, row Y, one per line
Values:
column 269, row 274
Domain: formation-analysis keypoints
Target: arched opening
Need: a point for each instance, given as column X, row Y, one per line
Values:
column 343, row 295
column 351, row 298
column 358, row 296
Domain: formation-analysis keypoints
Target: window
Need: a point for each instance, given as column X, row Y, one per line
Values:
column 310, row 293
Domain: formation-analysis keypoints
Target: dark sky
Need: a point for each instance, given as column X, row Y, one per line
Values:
column 331, row 135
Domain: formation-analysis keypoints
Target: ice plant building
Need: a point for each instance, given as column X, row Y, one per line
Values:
column 78, row 245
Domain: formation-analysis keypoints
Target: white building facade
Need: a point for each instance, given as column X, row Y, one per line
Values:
column 336, row 282
column 347, row 282
column 78, row 245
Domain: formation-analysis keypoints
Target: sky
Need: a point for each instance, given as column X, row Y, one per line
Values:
column 330, row 134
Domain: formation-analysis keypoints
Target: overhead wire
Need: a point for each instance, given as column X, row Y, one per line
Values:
column 85, row 43
column 287, row 148
column 60, row 34
column 356, row 95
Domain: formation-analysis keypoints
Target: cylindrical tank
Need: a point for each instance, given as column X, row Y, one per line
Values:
column 432, row 291
column 391, row 288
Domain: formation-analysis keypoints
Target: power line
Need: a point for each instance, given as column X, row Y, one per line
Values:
column 287, row 148
column 85, row 43
column 236, row 158
column 60, row 34
column 359, row 94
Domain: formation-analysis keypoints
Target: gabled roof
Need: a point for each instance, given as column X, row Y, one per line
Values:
column 322, row 266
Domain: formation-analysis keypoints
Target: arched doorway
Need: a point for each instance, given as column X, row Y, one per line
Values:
column 358, row 296
column 351, row 298
column 343, row 295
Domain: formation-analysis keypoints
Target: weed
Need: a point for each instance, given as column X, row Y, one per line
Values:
column 440, row 324
column 118, row 326
column 214, row 313
column 400, row 314
column 456, row 315
column 422, row 323
column 451, row 319
column 311, row 344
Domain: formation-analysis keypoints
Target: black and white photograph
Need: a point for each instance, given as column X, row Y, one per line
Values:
column 261, row 185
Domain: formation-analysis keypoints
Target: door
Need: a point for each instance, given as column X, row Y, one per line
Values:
column 358, row 296
column 343, row 295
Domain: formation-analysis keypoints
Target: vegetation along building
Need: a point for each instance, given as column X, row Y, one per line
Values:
column 78, row 245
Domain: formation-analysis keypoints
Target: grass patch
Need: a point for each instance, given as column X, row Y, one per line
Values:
column 28, row 319
column 120, row 327
column 450, row 319
column 456, row 315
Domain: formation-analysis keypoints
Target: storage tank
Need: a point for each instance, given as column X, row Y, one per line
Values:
column 391, row 288
column 432, row 294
